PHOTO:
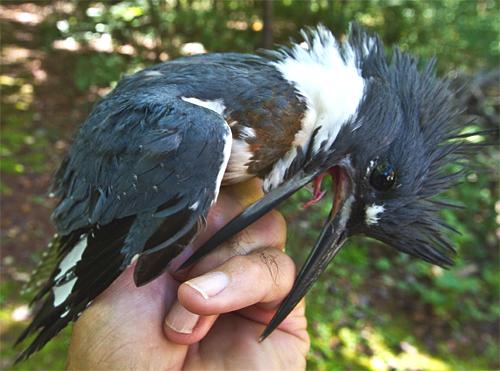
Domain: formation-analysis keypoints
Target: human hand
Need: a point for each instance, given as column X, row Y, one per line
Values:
column 212, row 321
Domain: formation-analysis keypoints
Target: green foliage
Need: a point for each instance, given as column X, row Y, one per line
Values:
column 374, row 308
column 106, row 68
column 53, row 358
column 21, row 147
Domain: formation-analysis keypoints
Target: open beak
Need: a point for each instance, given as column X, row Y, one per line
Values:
column 250, row 215
column 327, row 246
column 332, row 236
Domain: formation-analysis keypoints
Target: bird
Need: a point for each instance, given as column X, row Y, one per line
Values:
column 149, row 161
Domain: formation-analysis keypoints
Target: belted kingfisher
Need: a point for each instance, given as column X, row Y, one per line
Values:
column 150, row 159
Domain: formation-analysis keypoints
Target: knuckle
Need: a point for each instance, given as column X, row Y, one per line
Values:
column 270, row 262
column 276, row 229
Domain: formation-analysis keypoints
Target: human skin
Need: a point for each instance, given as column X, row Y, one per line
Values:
column 211, row 322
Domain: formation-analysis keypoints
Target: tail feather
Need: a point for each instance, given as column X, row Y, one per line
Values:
column 41, row 278
column 164, row 245
column 47, row 319
column 51, row 320
column 79, row 277
column 43, row 316
column 89, row 260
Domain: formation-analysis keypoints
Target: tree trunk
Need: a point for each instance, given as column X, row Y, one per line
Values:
column 267, row 17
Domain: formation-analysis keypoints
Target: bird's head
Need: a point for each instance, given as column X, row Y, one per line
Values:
column 388, row 156
column 387, row 172
column 385, row 129
column 389, row 159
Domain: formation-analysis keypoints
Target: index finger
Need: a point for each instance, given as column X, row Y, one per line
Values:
column 268, row 231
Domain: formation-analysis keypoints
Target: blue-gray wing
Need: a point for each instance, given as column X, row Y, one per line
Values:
column 149, row 155
column 137, row 153
column 142, row 173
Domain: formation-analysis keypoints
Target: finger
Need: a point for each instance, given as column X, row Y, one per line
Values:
column 270, row 230
column 184, row 327
column 267, row 232
column 265, row 276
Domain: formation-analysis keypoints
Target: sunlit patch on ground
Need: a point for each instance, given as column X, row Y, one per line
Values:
column 379, row 356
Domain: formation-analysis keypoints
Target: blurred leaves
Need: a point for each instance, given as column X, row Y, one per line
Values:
column 20, row 147
column 106, row 68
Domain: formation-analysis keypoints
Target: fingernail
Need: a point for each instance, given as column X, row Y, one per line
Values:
column 180, row 319
column 209, row 284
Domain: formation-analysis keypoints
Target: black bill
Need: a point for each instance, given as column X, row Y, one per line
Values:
column 249, row 215
column 331, row 239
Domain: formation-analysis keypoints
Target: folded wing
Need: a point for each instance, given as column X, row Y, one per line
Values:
column 141, row 175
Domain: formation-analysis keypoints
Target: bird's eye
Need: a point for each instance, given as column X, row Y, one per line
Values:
column 383, row 176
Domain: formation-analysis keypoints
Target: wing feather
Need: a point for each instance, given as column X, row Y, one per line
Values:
column 137, row 164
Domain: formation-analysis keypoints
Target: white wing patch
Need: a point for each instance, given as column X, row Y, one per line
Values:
column 73, row 257
column 70, row 260
column 62, row 292
column 228, row 143
column 214, row 105
column 372, row 214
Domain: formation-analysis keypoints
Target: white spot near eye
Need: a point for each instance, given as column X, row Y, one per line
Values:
column 194, row 206
column 372, row 213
